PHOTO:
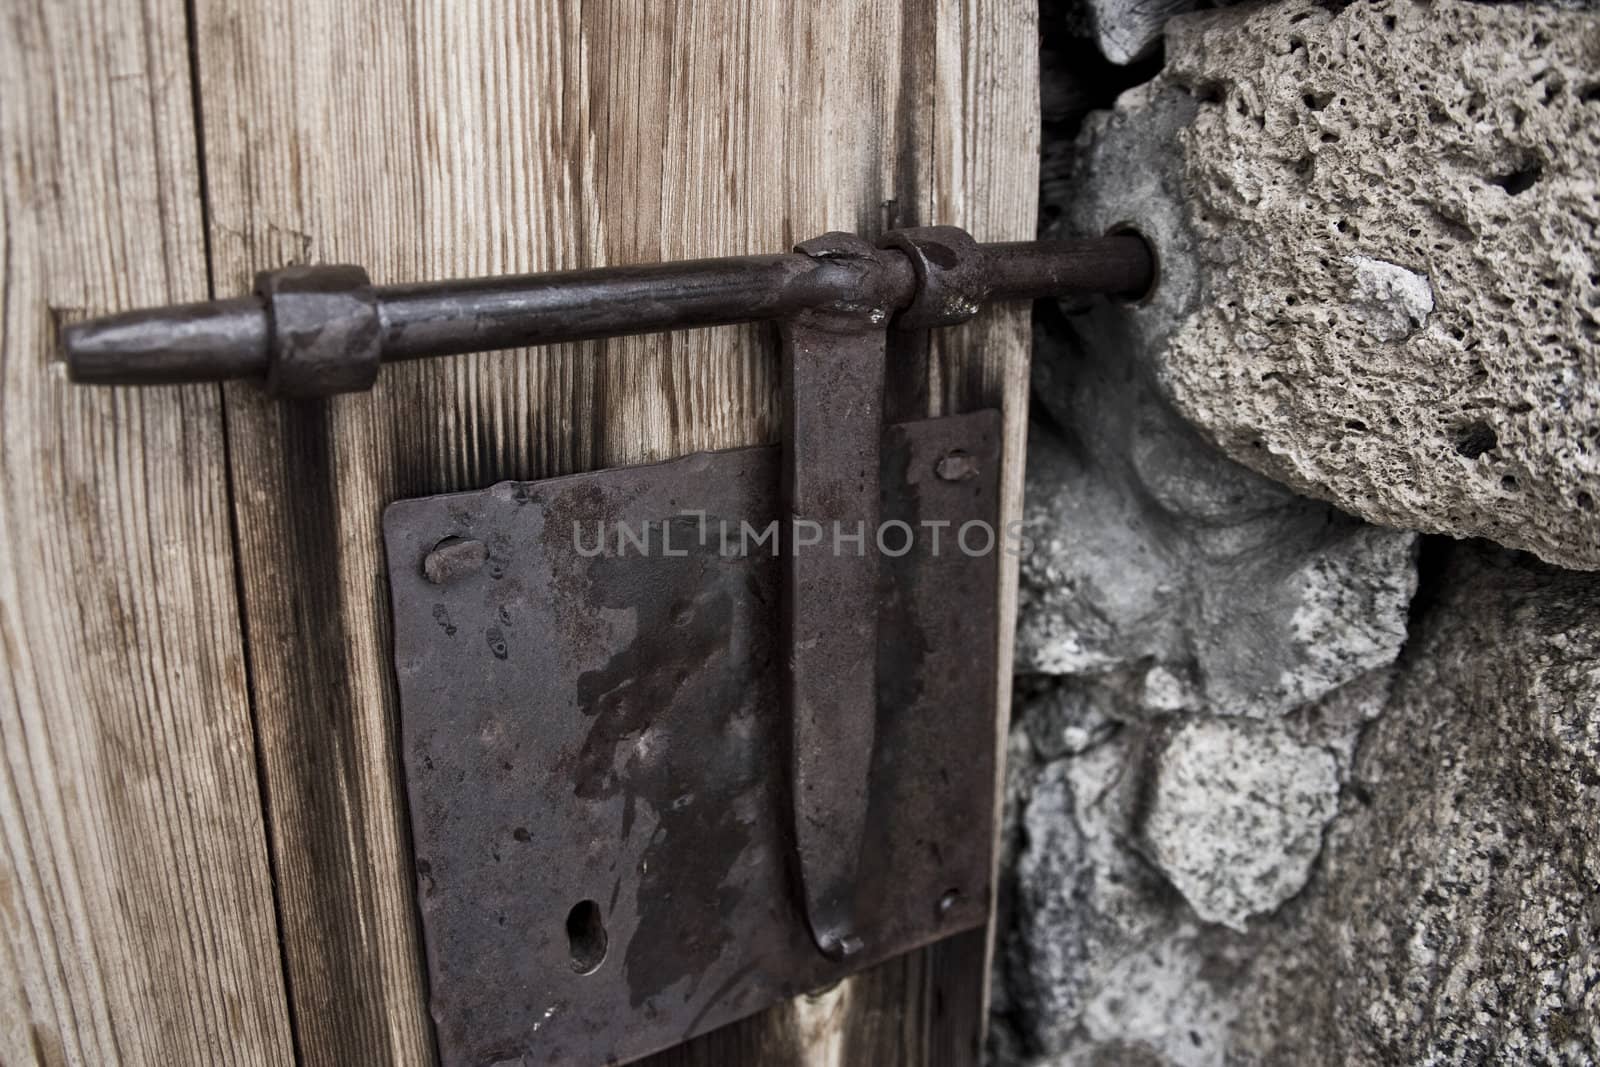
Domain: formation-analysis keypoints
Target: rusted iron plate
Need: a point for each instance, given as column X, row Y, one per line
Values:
column 595, row 757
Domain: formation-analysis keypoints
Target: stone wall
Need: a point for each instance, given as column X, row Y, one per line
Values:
column 1289, row 785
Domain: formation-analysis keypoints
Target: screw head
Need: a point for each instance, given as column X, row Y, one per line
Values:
column 957, row 466
column 841, row 945
column 453, row 558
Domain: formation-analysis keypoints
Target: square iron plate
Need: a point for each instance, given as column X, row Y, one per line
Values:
column 595, row 752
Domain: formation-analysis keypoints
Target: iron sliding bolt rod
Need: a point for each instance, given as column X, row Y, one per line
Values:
column 311, row 331
column 317, row 331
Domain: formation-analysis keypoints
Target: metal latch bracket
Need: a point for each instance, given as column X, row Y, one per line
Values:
column 631, row 772
column 594, row 742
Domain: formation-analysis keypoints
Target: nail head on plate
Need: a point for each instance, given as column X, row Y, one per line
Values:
column 452, row 558
column 956, row 466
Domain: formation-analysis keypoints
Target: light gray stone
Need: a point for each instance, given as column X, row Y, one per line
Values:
column 1457, row 916
column 1165, row 583
column 1236, row 814
column 1198, row 583
column 1086, row 904
column 1355, row 299
column 1050, row 943
column 1107, row 964
column 1126, row 30
column 1156, row 1005
column 1376, row 228
column 1453, row 916
column 1392, row 302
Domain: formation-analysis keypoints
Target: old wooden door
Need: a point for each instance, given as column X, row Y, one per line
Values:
column 203, row 850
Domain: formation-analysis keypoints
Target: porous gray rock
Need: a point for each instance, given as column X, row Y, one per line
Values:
column 1453, row 916
column 1155, row 561
column 1235, row 815
column 1100, row 960
column 1166, row 586
column 1107, row 962
column 1379, row 281
column 1456, row 918
column 1209, row 658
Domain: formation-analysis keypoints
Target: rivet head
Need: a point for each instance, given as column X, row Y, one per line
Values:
column 838, row 947
column 956, row 466
column 453, row 558
column 948, row 902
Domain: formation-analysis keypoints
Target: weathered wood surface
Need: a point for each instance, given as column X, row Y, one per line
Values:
column 436, row 139
column 136, row 912
column 421, row 140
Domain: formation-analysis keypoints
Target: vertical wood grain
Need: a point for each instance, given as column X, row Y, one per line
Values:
column 986, row 179
column 136, row 914
column 429, row 139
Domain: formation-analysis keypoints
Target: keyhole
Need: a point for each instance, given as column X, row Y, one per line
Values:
column 586, row 937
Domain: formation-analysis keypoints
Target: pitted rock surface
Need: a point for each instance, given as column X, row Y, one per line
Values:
column 1199, row 583
column 1240, row 830
column 1457, row 916
column 1378, row 233
column 1235, row 816
column 1200, row 649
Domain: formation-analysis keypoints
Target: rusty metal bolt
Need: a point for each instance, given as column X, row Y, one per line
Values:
column 956, row 466
column 324, row 332
column 952, row 282
column 453, row 558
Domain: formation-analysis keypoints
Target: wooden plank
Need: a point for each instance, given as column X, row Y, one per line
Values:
column 986, row 179
column 136, row 917
column 431, row 139
column 958, row 991
column 876, row 1017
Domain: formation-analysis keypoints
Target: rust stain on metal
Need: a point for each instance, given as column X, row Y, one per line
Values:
column 453, row 558
column 600, row 818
